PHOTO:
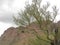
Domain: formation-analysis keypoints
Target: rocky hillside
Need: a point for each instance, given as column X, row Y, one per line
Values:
column 20, row 35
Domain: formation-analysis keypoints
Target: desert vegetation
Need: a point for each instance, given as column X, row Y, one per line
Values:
column 43, row 18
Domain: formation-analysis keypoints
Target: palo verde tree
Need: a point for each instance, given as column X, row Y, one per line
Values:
column 41, row 15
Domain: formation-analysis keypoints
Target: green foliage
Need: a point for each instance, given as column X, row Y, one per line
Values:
column 23, row 20
column 36, row 13
column 39, row 41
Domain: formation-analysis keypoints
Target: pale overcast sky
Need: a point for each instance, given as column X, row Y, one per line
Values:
column 8, row 8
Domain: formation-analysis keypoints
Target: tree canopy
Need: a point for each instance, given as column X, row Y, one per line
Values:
column 35, row 12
